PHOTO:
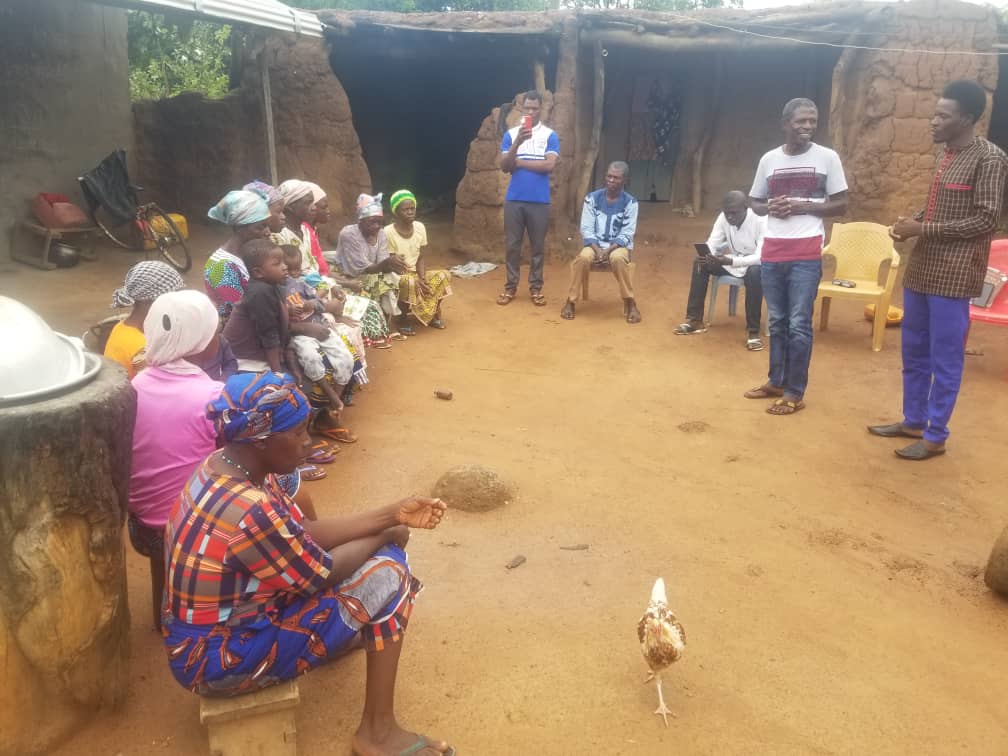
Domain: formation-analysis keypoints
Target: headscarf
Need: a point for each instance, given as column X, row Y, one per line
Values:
column 145, row 282
column 267, row 191
column 179, row 324
column 399, row 197
column 253, row 406
column 240, row 208
column 292, row 190
column 368, row 206
column 317, row 192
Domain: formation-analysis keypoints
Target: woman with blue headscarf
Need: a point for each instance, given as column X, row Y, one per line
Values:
column 256, row 595
column 225, row 275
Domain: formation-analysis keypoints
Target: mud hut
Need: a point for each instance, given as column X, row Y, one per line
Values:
column 690, row 100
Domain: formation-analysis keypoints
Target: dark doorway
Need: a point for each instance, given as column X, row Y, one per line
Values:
column 419, row 103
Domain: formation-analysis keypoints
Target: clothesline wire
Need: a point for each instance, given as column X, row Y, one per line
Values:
column 796, row 40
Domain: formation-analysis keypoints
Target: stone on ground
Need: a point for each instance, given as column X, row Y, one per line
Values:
column 996, row 574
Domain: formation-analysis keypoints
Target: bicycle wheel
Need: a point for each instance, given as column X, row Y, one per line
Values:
column 121, row 234
column 169, row 240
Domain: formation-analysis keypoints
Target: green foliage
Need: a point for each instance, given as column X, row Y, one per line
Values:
column 167, row 58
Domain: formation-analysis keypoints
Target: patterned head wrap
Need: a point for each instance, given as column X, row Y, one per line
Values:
column 264, row 190
column 254, row 406
column 179, row 325
column 145, row 282
column 399, row 197
column 240, row 208
column 369, row 207
column 294, row 189
column 317, row 192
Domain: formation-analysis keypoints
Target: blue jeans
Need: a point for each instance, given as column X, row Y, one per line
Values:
column 934, row 348
column 790, row 289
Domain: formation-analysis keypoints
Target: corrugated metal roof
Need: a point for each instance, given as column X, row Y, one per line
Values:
column 268, row 14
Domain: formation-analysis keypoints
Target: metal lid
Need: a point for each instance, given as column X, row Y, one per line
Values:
column 35, row 361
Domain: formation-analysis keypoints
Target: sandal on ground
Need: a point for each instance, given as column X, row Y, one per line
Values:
column 386, row 344
column 538, row 298
column 567, row 313
column 505, row 297
column 323, row 456
column 311, row 472
column 437, row 323
column 785, row 407
column 754, row 344
column 893, row 430
column 343, row 435
column 396, row 336
column 766, row 391
column 422, row 743
column 919, row 451
column 407, row 330
column 688, row 329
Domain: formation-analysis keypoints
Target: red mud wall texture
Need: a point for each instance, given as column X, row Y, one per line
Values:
column 191, row 150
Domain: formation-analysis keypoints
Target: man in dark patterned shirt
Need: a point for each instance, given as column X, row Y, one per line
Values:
column 946, row 268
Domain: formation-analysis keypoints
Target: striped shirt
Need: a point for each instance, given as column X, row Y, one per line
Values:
column 236, row 552
column 958, row 222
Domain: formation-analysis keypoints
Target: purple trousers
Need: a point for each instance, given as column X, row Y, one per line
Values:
column 934, row 350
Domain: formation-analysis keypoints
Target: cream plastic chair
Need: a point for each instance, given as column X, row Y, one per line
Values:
column 860, row 250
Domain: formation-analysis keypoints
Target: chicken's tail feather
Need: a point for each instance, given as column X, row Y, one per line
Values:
column 658, row 592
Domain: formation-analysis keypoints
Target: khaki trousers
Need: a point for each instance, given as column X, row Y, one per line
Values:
column 619, row 264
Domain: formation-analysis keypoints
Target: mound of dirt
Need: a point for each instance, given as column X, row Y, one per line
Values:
column 473, row 488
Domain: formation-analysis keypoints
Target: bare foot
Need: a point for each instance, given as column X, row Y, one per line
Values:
column 632, row 313
column 395, row 741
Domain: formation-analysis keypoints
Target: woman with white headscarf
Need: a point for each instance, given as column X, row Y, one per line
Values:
column 225, row 275
column 363, row 252
column 298, row 200
column 172, row 434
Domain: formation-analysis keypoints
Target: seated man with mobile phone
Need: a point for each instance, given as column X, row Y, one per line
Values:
column 733, row 249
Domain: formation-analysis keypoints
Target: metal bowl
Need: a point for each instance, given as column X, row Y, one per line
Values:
column 36, row 362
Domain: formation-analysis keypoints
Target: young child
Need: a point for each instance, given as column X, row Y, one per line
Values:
column 257, row 327
column 145, row 282
column 314, row 349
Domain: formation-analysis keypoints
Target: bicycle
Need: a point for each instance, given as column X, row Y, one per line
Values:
column 115, row 208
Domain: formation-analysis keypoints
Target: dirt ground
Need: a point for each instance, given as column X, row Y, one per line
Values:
column 831, row 593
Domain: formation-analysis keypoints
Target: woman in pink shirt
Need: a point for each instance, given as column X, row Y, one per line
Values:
column 172, row 435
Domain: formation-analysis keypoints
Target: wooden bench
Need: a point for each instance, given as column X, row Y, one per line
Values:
column 254, row 724
column 49, row 235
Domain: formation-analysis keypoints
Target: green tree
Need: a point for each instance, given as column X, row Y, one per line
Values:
column 167, row 58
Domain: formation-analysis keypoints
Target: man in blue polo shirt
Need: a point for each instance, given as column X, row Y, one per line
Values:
column 529, row 155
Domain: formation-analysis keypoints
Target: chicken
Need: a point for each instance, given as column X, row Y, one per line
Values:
column 662, row 640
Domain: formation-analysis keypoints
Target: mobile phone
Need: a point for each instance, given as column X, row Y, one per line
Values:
column 845, row 283
column 703, row 250
column 526, row 122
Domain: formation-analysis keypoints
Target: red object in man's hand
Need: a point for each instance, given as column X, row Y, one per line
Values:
column 527, row 123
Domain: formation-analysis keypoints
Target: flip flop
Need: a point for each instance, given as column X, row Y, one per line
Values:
column 754, row 344
column 791, row 405
column 323, row 456
column 538, row 298
column 311, row 472
column 343, row 435
column 407, row 330
column 919, row 451
column 421, row 743
column 437, row 323
column 397, row 336
column 766, row 391
column 505, row 297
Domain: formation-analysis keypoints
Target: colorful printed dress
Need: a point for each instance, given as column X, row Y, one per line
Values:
column 246, row 597
column 225, row 278
column 423, row 307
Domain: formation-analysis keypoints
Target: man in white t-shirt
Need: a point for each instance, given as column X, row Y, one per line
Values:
column 734, row 244
column 796, row 186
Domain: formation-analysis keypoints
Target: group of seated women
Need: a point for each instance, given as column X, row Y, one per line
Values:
column 250, row 586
